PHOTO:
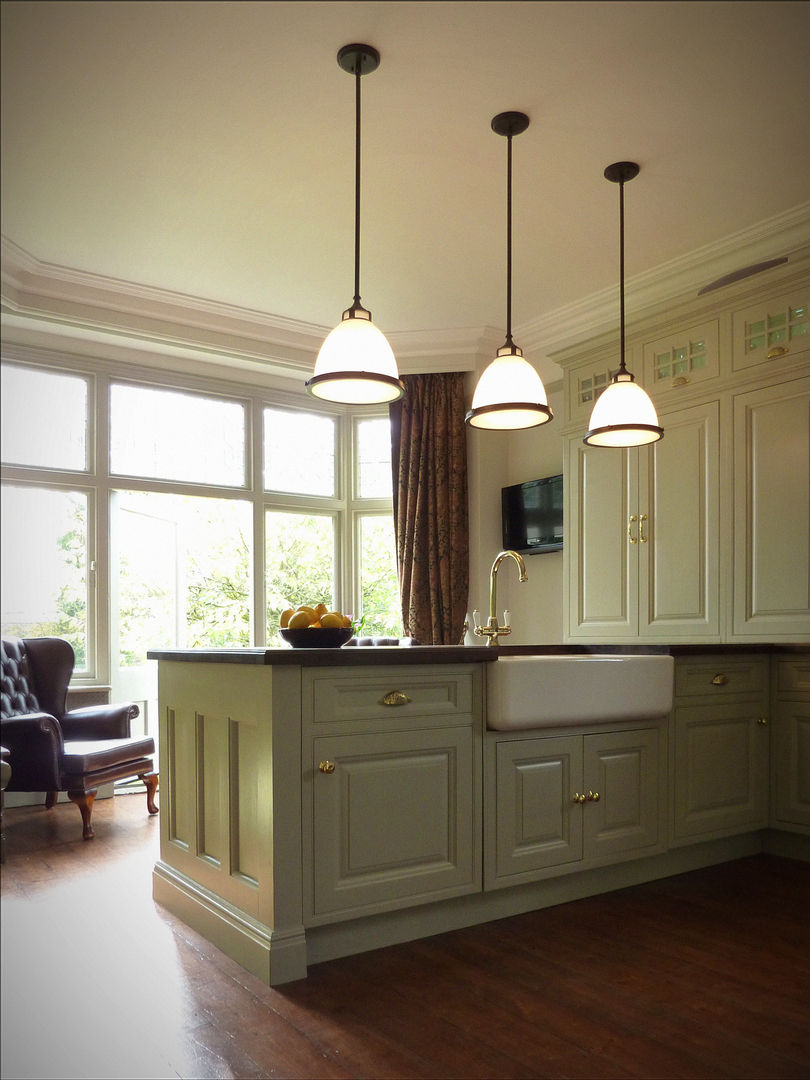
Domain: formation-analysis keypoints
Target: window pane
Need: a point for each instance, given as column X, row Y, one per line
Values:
column 44, row 419
column 300, row 564
column 182, row 573
column 373, row 458
column 379, row 588
column 299, row 452
column 44, row 566
column 166, row 435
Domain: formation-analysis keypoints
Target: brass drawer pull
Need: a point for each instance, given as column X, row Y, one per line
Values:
column 327, row 766
column 630, row 524
column 396, row 697
column 776, row 351
column 720, row 680
column 681, row 380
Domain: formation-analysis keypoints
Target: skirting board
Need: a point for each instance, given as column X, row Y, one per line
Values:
column 277, row 957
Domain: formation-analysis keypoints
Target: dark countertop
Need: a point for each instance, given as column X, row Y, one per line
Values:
column 379, row 655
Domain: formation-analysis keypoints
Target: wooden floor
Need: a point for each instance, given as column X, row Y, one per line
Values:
column 703, row 975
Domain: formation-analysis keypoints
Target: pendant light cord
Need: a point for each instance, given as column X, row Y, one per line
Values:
column 357, row 76
column 509, row 240
column 622, row 367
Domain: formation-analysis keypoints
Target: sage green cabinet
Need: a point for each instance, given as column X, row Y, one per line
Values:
column 392, row 789
column 719, row 748
column 642, row 534
column 564, row 803
column 790, row 746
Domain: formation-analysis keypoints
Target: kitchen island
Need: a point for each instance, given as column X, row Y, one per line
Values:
column 316, row 803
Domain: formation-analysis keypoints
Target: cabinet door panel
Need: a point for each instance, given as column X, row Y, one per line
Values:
column 772, row 500
column 721, row 770
column 602, row 562
column 679, row 491
column 791, row 773
column 623, row 770
column 538, row 824
column 393, row 820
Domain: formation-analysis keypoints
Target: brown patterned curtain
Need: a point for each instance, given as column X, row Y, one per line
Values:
column 429, row 463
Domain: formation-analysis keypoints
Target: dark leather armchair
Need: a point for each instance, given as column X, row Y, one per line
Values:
column 53, row 750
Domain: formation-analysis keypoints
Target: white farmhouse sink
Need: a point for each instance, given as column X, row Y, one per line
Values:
column 547, row 691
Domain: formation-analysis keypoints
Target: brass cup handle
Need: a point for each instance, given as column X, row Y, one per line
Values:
column 580, row 799
column 396, row 697
column 326, row 767
column 680, row 380
column 720, row 680
column 776, row 351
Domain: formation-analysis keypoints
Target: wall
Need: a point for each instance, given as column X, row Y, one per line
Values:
column 496, row 459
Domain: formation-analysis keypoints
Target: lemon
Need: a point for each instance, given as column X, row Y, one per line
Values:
column 309, row 610
column 321, row 609
column 285, row 617
column 333, row 620
column 300, row 619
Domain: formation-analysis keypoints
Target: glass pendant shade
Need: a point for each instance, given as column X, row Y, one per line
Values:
column 623, row 415
column 356, row 366
column 509, row 395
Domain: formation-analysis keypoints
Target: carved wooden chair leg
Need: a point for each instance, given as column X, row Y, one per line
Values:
column 151, row 782
column 84, row 800
column 50, row 799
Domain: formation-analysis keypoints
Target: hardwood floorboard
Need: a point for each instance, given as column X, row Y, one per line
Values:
column 701, row 976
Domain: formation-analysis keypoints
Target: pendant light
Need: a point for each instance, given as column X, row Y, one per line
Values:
column 510, row 394
column 624, row 415
column 356, row 365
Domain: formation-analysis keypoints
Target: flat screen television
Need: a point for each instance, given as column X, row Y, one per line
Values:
column 533, row 516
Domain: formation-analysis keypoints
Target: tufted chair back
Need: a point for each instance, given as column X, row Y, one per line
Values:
column 35, row 676
column 17, row 695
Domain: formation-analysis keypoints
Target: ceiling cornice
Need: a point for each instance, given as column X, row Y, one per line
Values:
column 54, row 299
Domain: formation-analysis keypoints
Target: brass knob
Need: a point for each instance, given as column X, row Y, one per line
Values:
column 327, row 766
column 593, row 796
column 396, row 697
column 763, row 721
column 720, row 680
column 579, row 798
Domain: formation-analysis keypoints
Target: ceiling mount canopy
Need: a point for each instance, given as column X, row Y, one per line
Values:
column 624, row 415
column 510, row 394
column 356, row 365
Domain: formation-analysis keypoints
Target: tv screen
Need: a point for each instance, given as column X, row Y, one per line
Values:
column 533, row 516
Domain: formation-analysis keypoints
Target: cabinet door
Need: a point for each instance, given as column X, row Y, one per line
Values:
column 395, row 818
column 601, row 542
column 720, row 770
column 623, row 769
column 538, row 822
column 790, row 736
column 679, row 544
column 772, row 511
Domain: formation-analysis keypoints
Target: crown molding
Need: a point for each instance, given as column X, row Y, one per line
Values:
column 50, row 300
column 673, row 282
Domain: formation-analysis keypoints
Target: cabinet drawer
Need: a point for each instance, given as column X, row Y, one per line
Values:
column 394, row 695
column 793, row 676
column 720, row 677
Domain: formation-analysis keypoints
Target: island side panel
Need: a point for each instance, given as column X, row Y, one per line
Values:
column 230, row 860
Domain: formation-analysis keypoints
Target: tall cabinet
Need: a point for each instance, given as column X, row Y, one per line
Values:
column 704, row 536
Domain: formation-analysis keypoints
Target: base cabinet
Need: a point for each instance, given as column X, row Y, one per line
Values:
column 572, row 801
column 790, row 746
column 720, row 748
column 392, row 789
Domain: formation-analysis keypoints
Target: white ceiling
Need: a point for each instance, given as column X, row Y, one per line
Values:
column 208, row 148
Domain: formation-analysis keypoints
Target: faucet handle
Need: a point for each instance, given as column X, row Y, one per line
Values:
column 506, row 615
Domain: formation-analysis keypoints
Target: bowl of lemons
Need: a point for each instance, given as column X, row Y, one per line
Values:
column 315, row 627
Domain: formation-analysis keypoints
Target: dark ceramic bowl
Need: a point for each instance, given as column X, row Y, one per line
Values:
column 317, row 637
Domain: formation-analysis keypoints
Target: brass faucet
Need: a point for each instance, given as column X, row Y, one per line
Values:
column 492, row 630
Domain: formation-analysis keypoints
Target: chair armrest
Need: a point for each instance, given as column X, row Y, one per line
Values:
column 35, row 743
column 99, row 721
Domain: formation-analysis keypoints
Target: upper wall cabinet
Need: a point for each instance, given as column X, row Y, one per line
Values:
column 772, row 334
column 681, row 359
column 642, row 534
column 772, row 511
